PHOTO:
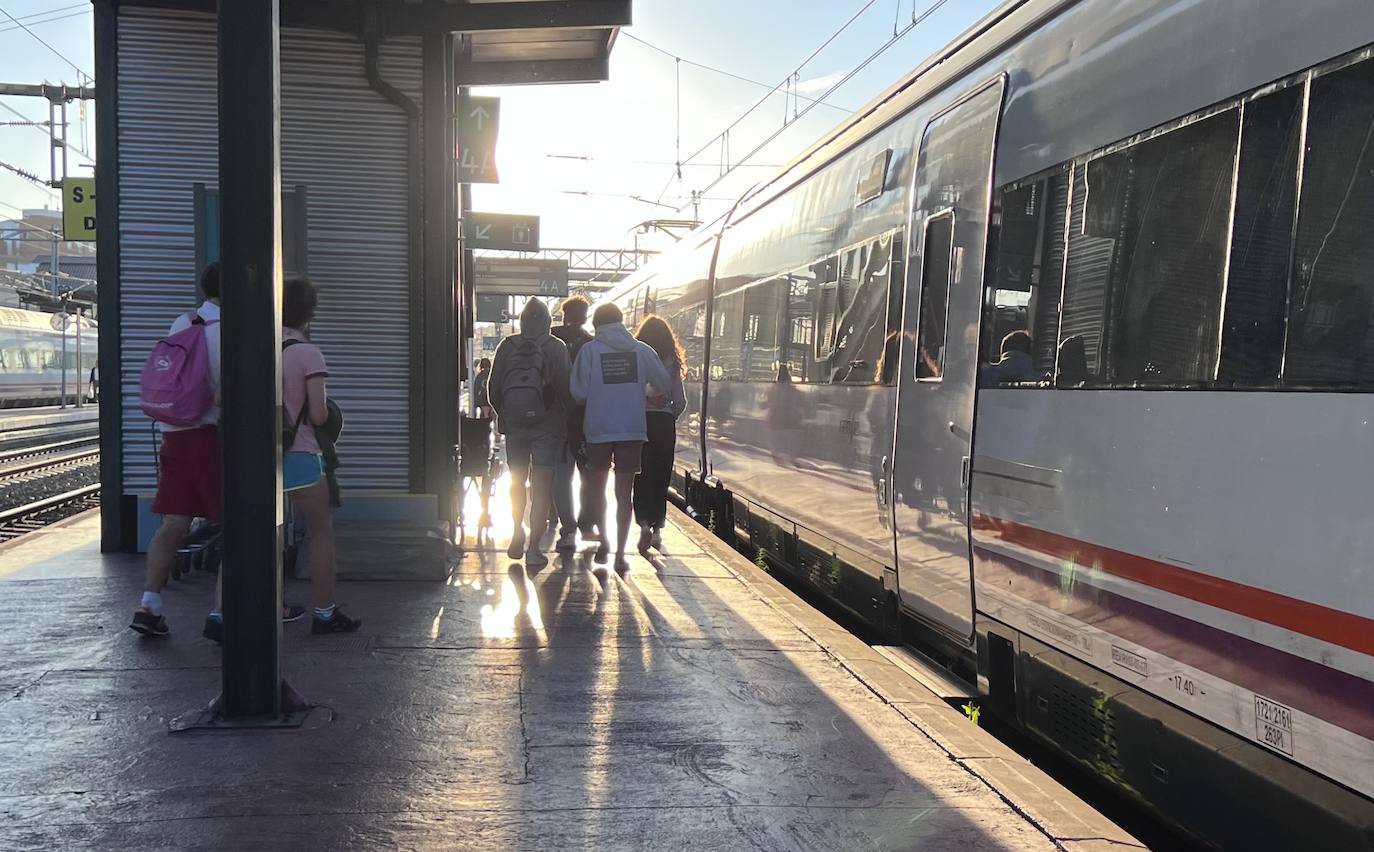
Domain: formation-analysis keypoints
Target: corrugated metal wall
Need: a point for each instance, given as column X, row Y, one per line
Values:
column 346, row 145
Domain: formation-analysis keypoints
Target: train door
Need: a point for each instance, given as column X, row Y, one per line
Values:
column 939, row 366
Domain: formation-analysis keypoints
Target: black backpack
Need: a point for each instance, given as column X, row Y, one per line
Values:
column 523, row 383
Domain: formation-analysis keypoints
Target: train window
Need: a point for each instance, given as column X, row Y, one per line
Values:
column 1261, row 240
column 1025, row 277
column 936, row 268
column 763, row 314
column 1145, row 275
column 1329, row 327
column 860, row 331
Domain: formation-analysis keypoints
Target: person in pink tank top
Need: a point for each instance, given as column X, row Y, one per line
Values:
column 304, row 404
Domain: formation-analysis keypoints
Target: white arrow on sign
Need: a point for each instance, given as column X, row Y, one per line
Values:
column 483, row 232
column 479, row 113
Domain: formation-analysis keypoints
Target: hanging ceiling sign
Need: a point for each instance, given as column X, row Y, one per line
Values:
column 478, row 121
column 520, row 277
column 505, row 231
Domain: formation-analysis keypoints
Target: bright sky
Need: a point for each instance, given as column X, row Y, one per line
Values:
column 610, row 140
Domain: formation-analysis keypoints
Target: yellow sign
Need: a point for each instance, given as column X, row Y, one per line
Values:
column 78, row 208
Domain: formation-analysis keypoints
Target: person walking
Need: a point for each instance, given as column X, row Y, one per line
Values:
column 573, row 456
column 305, row 410
column 612, row 376
column 661, row 412
column 528, row 388
column 188, row 484
column 481, row 404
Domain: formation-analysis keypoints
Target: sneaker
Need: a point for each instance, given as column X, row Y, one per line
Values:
column 337, row 623
column 213, row 630
column 590, row 532
column 646, row 535
column 517, row 544
column 148, row 624
column 292, row 612
column 656, row 539
column 567, row 542
column 622, row 565
column 602, row 554
column 536, row 559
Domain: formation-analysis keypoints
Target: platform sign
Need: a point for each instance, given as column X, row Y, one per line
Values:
column 505, row 231
column 78, row 208
column 478, row 122
column 493, row 308
column 521, row 277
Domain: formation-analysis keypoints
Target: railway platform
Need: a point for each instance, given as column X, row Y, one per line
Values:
column 20, row 419
column 694, row 702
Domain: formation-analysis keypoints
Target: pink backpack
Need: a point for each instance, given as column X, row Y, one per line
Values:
column 175, row 387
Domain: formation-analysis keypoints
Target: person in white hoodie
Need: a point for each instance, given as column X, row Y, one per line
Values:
column 612, row 377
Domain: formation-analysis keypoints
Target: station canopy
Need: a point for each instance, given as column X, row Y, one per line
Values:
column 501, row 42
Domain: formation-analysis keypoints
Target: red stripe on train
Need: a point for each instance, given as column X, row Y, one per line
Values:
column 1330, row 625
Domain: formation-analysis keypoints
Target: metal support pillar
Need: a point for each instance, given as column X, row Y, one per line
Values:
column 250, row 271
column 440, row 354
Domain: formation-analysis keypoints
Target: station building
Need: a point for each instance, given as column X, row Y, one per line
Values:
column 370, row 209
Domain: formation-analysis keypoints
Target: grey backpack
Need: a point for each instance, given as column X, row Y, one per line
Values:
column 522, row 386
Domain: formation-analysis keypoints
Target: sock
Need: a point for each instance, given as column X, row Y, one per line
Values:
column 324, row 613
column 152, row 601
column 216, row 615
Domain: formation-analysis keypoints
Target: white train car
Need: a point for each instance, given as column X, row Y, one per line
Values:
column 1057, row 358
column 32, row 358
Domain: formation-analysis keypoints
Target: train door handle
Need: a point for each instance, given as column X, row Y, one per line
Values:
column 963, row 472
column 883, row 483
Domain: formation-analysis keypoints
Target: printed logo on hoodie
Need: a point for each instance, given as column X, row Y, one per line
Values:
column 619, row 368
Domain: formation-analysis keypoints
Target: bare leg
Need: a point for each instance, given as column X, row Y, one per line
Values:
column 313, row 505
column 541, row 501
column 518, row 501
column 596, row 513
column 624, row 509
column 162, row 551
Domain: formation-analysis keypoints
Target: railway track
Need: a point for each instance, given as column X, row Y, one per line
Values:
column 49, row 510
column 47, row 473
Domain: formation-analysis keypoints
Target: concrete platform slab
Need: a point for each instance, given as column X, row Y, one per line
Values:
column 687, row 705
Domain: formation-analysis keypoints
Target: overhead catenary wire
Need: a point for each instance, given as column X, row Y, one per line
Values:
column 796, row 71
column 915, row 22
column 85, row 9
column 721, row 71
column 41, row 128
column 42, row 41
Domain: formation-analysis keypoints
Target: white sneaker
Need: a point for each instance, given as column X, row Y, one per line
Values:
column 645, row 537
column 656, row 540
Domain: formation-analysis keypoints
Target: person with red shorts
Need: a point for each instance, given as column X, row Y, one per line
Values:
column 188, row 483
column 613, row 376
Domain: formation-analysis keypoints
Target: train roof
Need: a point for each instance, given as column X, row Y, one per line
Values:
column 36, row 320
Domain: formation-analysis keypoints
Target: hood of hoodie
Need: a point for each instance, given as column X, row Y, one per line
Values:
column 616, row 336
column 535, row 320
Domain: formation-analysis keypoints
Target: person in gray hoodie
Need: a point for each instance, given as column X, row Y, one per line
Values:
column 612, row 376
column 528, row 388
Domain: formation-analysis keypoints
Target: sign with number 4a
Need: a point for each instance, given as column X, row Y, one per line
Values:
column 478, row 122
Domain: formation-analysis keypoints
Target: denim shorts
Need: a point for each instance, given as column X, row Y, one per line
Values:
column 537, row 449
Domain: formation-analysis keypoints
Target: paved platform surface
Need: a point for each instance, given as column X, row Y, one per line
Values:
column 31, row 418
column 689, row 704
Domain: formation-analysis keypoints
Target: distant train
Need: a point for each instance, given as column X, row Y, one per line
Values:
column 1057, row 359
column 32, row 359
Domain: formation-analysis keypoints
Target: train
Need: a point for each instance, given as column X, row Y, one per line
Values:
column 1055, row 361
column 33, row 358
